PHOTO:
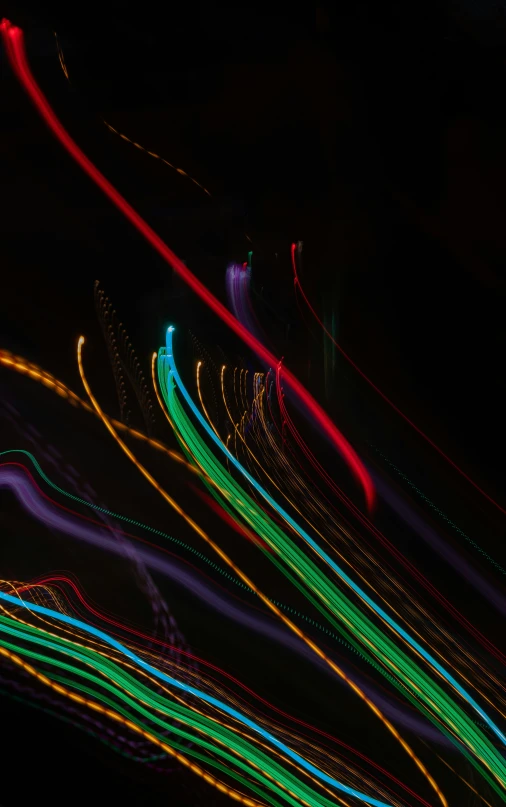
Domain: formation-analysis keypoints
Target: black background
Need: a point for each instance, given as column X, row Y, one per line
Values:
column 375, row 135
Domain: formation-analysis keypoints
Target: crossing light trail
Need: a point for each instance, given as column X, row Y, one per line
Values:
column 14, row 44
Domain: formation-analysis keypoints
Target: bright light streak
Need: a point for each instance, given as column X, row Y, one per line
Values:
column 13, row 40
column 169, row 357
column 204, row 696
column 382, row 394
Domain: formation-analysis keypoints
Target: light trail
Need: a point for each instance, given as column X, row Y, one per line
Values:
column 458, row 723
column 108, row 712
column 302, row 493
column 382, row 394
column 14, row 44
column 249, row 582
column 200, row 590
column 203, row 696
column 20, row 365
column 169, row 358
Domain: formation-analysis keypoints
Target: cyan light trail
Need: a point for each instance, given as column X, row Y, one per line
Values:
column 13, row 479
column 15, row 50
column 423, row 688
column 143, row 701
column 77, row 623
column 169, row 358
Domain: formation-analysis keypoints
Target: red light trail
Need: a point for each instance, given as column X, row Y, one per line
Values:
column 14, row 44
column 382, row 394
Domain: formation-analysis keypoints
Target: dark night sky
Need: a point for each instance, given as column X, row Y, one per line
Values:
column 377, row 136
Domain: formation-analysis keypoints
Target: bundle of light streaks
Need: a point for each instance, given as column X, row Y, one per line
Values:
column 125, row 743
column 431, row 698
column 301, row 487
column 121, row 680
column 59, row 597
column 14, row 44
column 288, row 473
column 228, row 740
column 408, row 565
column 238, row 289
column 161, row 561
column 245, row 578
column 280, row 469
column 456, row 561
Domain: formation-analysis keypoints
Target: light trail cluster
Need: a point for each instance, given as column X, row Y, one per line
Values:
column 418, row 667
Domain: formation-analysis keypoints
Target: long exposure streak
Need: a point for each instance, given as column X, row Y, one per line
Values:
column 309, row 594
column 14, row 43
column 109, row 640
column 291, row 625
column 382, row 394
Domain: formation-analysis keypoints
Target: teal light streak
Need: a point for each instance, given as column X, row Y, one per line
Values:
column 169, row 358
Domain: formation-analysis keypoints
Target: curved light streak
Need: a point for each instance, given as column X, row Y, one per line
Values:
column 96, row 707
column 174, row 571
column 247, row 580
column 387, row 400
column 204, row 696
column 14, row 43
column 319, row 551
